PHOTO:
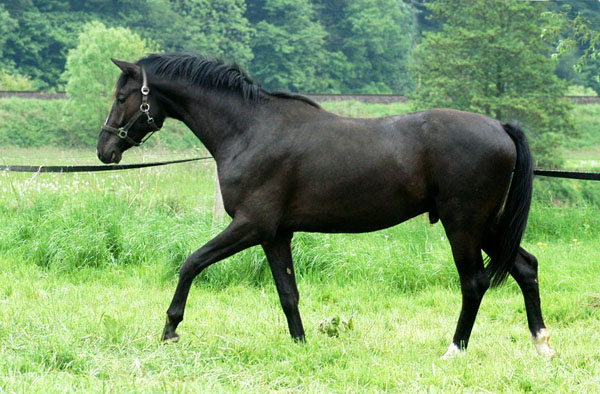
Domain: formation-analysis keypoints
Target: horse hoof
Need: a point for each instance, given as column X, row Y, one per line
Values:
column 452, row 352
column 171, row 339
column 541, row 342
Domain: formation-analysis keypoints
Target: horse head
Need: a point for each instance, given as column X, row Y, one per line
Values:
column 134, row 117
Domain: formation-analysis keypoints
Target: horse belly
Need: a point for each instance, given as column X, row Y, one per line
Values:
column 354, row 206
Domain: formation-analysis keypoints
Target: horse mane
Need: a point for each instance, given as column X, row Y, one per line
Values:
column 214, row 74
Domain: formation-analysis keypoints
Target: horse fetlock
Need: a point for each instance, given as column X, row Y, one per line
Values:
column 541, row 341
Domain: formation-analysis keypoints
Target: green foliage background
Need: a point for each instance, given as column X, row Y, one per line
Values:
column 493, row 58
column 291, row 45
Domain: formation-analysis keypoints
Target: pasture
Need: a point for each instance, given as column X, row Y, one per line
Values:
column 90, row 261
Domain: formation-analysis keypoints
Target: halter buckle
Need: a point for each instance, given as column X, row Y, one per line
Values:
column 122, row 133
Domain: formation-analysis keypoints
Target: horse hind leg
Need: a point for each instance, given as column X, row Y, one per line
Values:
column 525, row 273
column 466, row 250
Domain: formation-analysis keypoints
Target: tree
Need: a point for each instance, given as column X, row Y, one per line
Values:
column 490, row 58
column 7, row 26
column 375, row 38
column 91, row 75
column 215, row 28
column 578, row 51
column 38, row 47
column 586, row 35
column 288, row 47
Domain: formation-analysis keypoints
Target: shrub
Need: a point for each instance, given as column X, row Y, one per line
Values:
column 15, row 81
column 32, row 123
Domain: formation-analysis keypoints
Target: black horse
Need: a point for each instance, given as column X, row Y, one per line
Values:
column 286, row 165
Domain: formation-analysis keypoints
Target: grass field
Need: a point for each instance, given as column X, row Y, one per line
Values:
column 90, row 264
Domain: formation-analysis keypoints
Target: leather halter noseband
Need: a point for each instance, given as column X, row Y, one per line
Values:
column 122, row 132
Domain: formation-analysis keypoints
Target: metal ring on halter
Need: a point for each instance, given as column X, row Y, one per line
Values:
column 122, row 133
column 145, row 90
column 145, row 107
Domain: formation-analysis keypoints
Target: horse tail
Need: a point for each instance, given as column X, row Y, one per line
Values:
column 513, row 219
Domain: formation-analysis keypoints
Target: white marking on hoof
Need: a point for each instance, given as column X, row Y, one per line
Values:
column 541, row 344
column 452, row 352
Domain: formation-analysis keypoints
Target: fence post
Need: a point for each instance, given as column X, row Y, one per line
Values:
column 218, row 208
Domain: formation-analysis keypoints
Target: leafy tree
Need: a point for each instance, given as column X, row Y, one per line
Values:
column 579, row 58
column 288, row 46
column 421, row 19
column 48, row 29
column 490, row 58
column 38, row 47
column 589, row 10
column 586, row 34
column 215, row 28
column 91, row 75
column 375, row 39
column 7, row 26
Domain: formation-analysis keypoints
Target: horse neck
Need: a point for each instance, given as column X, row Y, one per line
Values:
column 217, row 118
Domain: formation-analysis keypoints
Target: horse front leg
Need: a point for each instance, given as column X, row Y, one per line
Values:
column 239, row 235
column 279, row 255
column 525, row 272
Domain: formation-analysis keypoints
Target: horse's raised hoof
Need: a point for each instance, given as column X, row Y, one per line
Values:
column 452, row 352
column 541, row 342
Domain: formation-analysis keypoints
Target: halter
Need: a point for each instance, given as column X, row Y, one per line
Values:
column 122, row 132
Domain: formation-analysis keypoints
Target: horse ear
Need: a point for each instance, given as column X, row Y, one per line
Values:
column 131, row 69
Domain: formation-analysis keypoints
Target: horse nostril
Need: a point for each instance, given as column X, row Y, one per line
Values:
column 112, row 158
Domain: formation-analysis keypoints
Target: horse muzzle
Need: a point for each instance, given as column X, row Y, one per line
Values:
column 110, row 156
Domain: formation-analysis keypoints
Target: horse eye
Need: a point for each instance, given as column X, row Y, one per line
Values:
column 121, row 99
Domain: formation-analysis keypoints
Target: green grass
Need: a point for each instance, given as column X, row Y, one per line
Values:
column 90, row 262
column 97, row 330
